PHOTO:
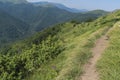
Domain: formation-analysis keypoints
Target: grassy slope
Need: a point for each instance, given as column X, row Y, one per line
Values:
column 109, row 65
column 68, row 65
column 78, row 41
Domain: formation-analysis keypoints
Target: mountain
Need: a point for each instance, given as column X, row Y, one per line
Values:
column 98, row 12
column 60, row 51
column 61, row 6
column 41, row 17
column 37, row 17
column 14, row 1
column 29, row 19
column 11, row 28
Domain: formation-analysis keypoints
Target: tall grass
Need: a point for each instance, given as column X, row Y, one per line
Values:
column 78, row 41
column 109, row 64
column 78, row 56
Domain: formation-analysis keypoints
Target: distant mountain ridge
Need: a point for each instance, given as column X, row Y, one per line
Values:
column 40, row 17
column 98, row 12
column 14, row 1
column 61, row 6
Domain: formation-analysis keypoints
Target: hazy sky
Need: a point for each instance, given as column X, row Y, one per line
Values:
column 88, row 4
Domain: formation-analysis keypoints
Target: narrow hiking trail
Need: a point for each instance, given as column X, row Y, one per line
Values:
column 90, row 72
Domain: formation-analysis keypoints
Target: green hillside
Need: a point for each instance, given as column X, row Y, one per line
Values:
column 11, row 29
column 59, row 52
column 98, row 12
column 108, row 65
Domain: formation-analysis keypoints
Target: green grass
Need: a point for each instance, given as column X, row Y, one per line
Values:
column 78, row 42
column 44, row 62
column 59, row 53
column 78, row 56
column 109, row 64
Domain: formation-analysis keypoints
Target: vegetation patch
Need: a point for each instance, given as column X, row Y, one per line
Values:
column 109, row 64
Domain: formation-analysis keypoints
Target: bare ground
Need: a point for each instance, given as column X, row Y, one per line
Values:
column 90, row 72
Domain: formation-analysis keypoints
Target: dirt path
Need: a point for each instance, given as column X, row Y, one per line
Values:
column 90, row 68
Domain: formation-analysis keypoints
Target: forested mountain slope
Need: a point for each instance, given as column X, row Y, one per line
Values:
column 40, row 17
column 24, row 19
column 14, row 1
column 56, row 53
column 11, row 28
